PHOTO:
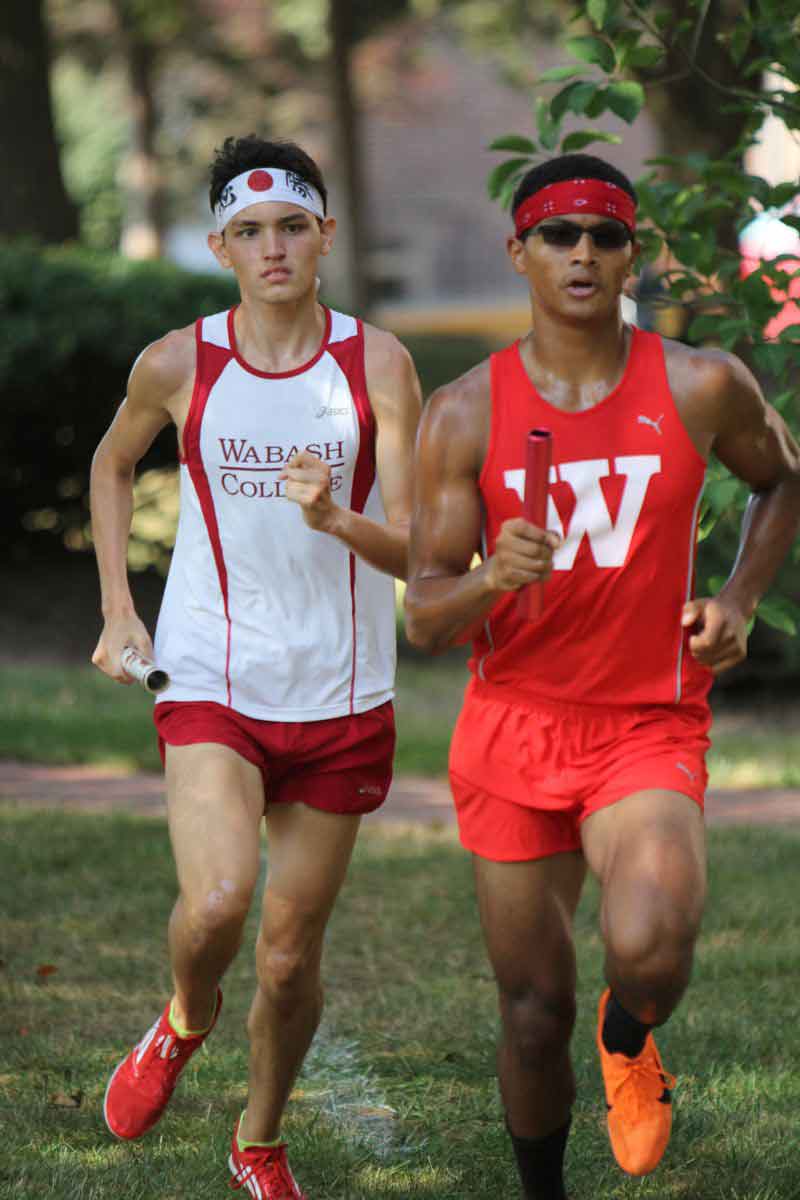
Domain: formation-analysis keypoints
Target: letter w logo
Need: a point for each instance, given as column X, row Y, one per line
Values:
column 610, row 542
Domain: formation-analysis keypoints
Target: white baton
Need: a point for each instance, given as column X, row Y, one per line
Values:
column 151, row 677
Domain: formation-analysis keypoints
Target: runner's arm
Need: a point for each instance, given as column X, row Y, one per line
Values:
column 155, row 378
column 446, row 599
column 395, row 398
column 754, row 442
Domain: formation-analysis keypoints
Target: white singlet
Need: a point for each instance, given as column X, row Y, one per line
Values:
column 260, row 612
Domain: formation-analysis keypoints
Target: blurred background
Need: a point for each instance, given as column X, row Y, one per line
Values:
column 110, row 111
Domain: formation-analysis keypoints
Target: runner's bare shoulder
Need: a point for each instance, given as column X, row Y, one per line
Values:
column 708, row 383
column 165, row 369
column 458, row 415
column 390, row 369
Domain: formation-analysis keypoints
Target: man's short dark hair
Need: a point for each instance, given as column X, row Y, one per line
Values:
column 245, row 153
column 569, row 166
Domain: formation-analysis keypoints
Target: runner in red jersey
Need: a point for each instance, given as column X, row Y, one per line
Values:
column 583, row 733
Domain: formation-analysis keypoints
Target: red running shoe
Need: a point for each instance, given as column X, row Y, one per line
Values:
column 141, row 1086
column 264, row 1171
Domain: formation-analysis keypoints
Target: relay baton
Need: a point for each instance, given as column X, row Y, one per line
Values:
column 538, row 454
column 145, row 672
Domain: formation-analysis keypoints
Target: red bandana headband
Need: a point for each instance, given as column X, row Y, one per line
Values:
column 594, row 196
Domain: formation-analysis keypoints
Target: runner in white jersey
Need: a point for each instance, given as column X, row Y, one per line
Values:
column 295, row 431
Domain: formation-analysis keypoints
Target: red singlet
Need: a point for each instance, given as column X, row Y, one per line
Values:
column 625, row 491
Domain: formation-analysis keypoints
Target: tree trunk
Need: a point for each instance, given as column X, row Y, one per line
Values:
column 33, row 199
column 348, row 155
column 689, row 111
column 144, row 218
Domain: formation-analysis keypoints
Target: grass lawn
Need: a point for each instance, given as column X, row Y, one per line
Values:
column 398, row 1098
column 58, row 714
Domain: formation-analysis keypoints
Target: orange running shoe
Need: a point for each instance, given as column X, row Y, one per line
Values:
column 639, row 1102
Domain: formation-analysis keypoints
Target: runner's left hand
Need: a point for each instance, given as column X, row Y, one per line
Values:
column 719, row 632
column 308, row 483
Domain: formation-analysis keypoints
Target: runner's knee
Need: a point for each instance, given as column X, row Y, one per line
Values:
column 218, row 913
column 650, row 932
column 539, row 1025
column 288, row 967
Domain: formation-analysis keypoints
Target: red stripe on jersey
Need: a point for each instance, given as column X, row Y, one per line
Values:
column 211, row 362
column 349, row 355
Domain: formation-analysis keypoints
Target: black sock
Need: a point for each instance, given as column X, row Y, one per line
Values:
column 540, row 1162
column 622, row 1033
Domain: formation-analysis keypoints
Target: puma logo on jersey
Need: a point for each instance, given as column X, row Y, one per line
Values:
column 654, row 423
column 683, row 767
column 609, row 540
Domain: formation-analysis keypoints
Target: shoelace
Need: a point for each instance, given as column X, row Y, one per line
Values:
column 644, row 1081
column 167, row 1049
column 271, row 1172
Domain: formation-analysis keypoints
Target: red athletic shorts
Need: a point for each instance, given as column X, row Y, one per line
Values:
column 342, row 765
column 525, row 776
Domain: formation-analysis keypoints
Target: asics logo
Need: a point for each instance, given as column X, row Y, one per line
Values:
column 324, row 411
column 654, row 423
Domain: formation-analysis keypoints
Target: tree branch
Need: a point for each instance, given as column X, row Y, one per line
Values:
column 783, row 106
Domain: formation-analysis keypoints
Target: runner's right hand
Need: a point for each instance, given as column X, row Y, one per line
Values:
column 523, row 554
column 118, row 633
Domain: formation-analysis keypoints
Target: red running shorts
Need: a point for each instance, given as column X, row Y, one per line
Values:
column 341, row 765
column 524, row 777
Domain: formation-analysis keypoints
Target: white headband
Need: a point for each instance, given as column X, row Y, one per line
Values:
column 255, row 186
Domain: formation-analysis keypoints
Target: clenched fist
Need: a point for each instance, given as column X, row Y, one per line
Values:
column 308, row 483
column 523, row 554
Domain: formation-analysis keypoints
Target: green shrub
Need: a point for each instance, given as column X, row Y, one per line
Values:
column 73, row 322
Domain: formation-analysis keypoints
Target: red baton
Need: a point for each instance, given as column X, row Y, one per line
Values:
column 538, row 454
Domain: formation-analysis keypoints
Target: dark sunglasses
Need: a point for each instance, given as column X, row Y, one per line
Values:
column 609, row 235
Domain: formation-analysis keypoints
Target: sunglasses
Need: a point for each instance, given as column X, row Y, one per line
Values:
column 608, row 235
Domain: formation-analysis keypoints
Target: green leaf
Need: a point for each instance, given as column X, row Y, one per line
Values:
column 644, row 56
column 739, row 39
column 582, row 96
column 596, row 104
column 557, row 74
column 721, row 493
column 597, row 11
column 576, row 141
column 783, row 193
column 560, row 103
column 513, row 141
column 790, row 220
column 592, row 50
column 503, row 172
column 626, row 99
column 704, row 327
column 780, row 613
column 547, row 125
column 507, row 191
